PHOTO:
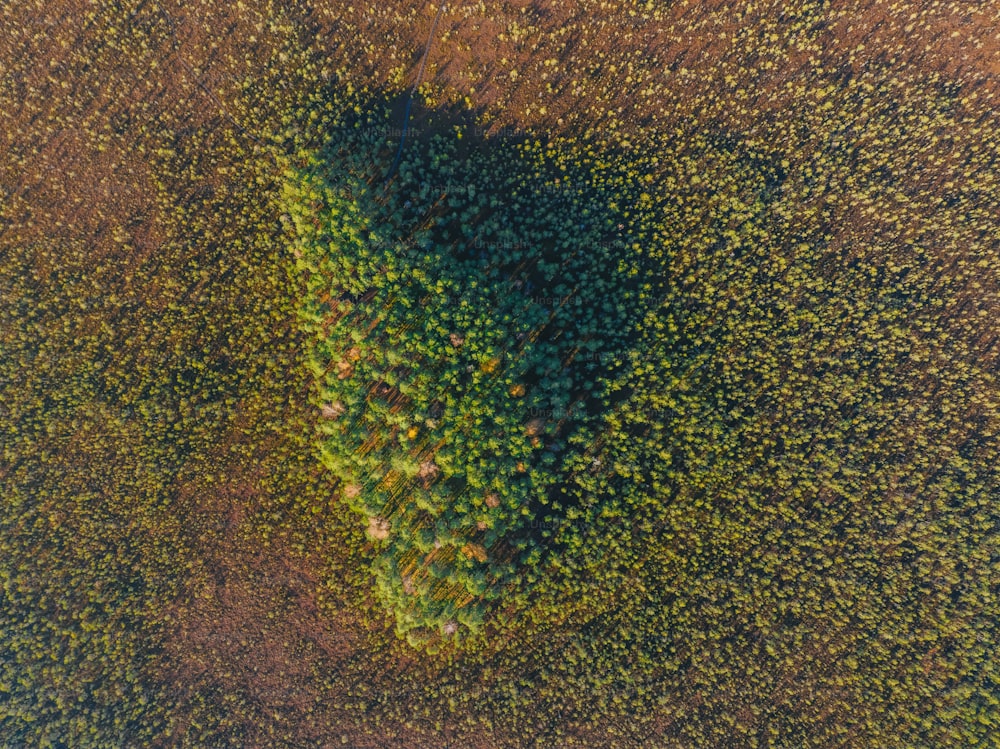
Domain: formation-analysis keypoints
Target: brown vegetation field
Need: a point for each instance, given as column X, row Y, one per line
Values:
column 177, row 568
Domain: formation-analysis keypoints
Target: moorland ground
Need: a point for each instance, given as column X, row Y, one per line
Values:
column 178, row 569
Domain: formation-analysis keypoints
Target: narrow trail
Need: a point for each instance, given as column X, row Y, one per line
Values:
column 413, row 91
